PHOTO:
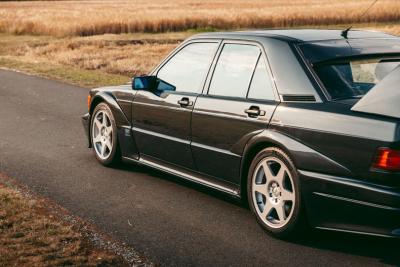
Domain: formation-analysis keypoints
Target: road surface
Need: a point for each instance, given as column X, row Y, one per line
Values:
column 171, row 221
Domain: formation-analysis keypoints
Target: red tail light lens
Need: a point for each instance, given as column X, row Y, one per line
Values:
column 387, row 159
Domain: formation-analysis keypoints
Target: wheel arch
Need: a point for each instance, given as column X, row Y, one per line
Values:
column 111, row 101
column 107, row 98
column 252, row 148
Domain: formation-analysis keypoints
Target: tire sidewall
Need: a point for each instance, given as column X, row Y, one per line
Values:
column 296, row 219
column 104, row 107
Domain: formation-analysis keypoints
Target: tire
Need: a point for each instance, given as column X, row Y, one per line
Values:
column 274, row 194
column 103, row 136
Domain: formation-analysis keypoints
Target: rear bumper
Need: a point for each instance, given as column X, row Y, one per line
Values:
column 86, row 127
column 351, row 205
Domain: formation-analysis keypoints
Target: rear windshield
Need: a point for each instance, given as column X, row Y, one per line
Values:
column 354, row 78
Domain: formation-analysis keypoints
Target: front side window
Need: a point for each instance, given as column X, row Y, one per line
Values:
column 234, row 70
column 354, row 78
column 187, row 70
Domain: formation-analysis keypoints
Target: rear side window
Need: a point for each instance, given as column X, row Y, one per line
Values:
column 187, row 69
column 354, row 78
column 234, row 70
column 261, row 85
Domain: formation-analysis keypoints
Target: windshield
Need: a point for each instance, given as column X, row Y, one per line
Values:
column 354, row 78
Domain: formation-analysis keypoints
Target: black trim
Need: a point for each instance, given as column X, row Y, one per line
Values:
column 299, row 98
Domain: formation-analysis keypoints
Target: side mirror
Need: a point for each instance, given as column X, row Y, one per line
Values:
column 147, row 83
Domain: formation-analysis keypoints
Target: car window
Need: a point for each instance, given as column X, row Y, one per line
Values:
column 187, row 70
column 371, row 71
column 234, row 69
column 261, row 84
column 354, row 78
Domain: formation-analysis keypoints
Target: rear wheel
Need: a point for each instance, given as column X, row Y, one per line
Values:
column 104, row 135
column 274, row 193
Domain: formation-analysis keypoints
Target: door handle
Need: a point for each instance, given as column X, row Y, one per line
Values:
column 185, row 102
column 254, row 112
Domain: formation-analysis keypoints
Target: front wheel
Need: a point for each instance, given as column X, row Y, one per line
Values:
column 104, row 135
column 274, row 193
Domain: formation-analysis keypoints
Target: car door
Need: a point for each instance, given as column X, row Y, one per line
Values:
column 239, row 103
column 161, row 119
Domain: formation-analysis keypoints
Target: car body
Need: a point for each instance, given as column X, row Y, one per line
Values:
column 195, row 127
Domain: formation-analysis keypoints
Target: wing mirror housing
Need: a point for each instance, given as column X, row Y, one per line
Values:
column 147, row 83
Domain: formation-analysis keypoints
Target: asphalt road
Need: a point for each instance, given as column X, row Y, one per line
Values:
column 171, row 221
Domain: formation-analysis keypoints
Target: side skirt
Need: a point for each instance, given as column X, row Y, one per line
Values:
column 355, row 232
column 187, row 175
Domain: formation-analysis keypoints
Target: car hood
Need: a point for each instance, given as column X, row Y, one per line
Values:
column 383, row 98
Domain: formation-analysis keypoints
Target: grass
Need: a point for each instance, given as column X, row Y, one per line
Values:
column 102, row 60
column 61, row 40
column 84, row 18
column 87, row 61
column 31, row 236
column 76, row 76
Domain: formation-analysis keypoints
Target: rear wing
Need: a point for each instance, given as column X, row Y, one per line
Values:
column 383, row 98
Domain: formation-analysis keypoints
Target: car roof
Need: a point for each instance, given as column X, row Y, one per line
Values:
column 299, row 35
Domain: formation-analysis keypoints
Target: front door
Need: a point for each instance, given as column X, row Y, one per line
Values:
column 161, row 119
column 239, row 104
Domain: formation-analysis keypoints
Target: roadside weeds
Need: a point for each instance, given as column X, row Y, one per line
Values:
column 37, row 232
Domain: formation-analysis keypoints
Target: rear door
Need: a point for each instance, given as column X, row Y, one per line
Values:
column 238, row 103
column 161, row 120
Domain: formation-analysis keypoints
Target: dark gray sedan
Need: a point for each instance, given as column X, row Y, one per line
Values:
column 302, row 124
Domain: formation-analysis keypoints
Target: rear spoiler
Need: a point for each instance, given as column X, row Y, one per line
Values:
column 383, row 98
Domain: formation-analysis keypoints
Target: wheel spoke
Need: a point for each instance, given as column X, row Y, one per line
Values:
column 103, row 148
column 104, row 119
column 267, row 171
column 108, row 144
column 261, row 188
column 267, row 209
column 280, row 210
column 287, row 195
column 97, row 138
column 109, row 129
column 281, row 175
column 97, row 124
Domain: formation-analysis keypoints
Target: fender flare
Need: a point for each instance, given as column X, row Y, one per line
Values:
column 110, row 100
column 121, row 120
column 303, row 156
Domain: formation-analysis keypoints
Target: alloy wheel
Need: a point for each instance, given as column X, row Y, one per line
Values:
column 273, row 192
column 102, row 134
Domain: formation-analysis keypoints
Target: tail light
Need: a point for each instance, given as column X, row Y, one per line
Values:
column 387, row 159
column 89, row 99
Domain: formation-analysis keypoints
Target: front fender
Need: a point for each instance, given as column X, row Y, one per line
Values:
column 304, row 157
column 109, row 99
column 126, row 140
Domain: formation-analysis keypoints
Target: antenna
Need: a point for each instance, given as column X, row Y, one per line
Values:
column 346, row 32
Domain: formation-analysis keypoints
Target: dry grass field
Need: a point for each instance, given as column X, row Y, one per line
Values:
column 87, row 61
column 92, row 43
column 102, row 59
column 32, row 236
column 126, row 54
column 84, row 18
